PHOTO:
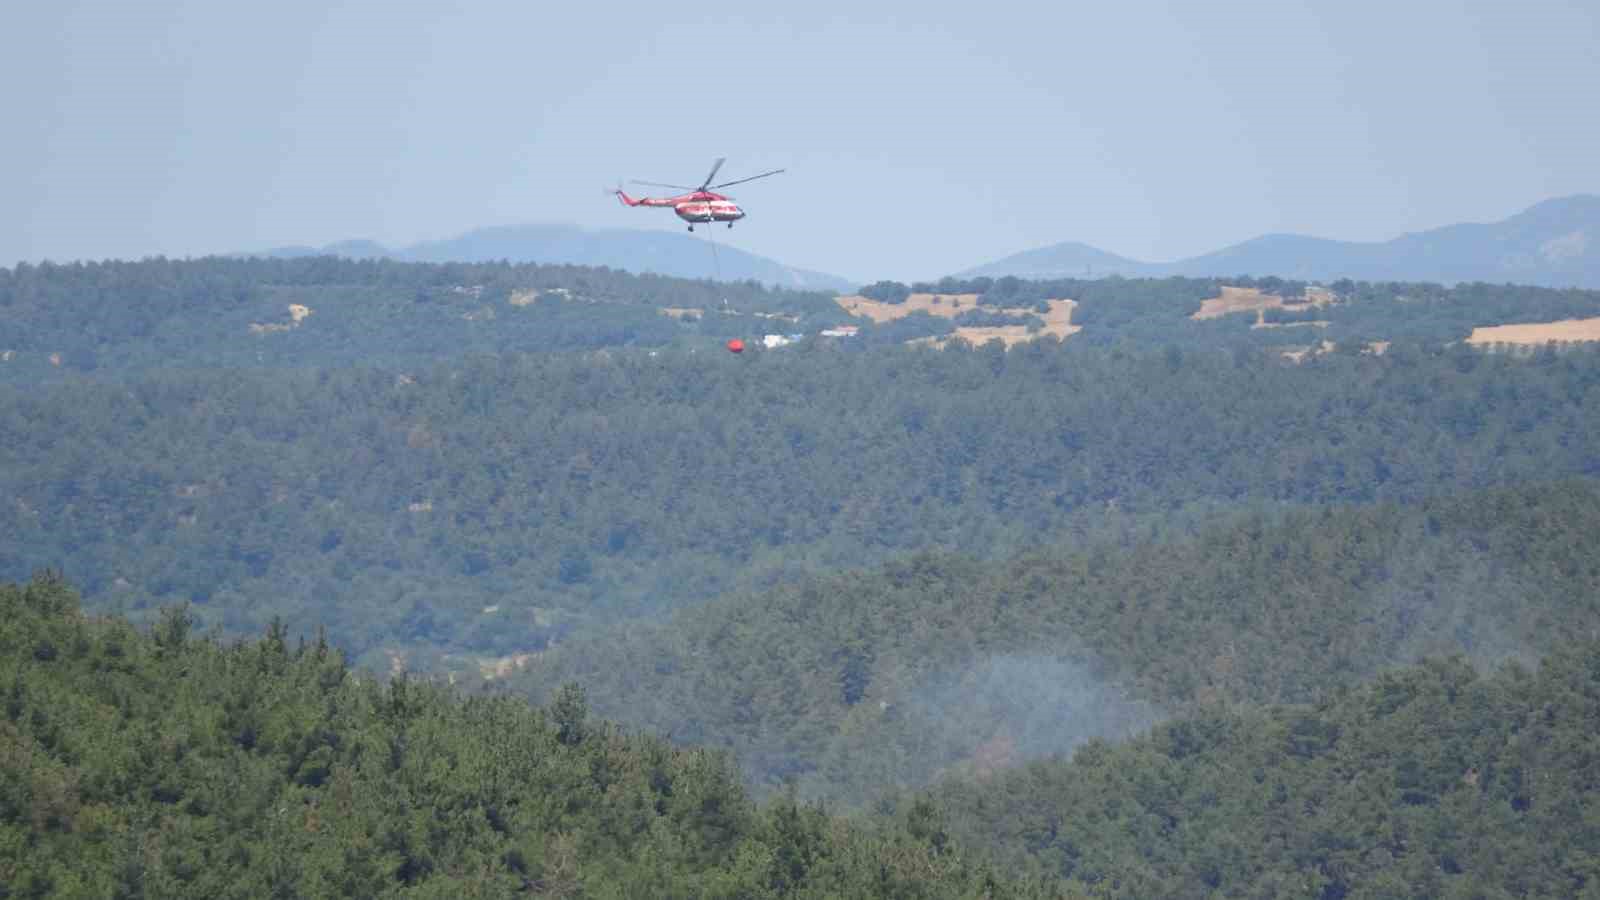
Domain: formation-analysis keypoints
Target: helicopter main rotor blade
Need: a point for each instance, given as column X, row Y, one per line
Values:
column 676, row 187
column 714, row 167
column 743, row 180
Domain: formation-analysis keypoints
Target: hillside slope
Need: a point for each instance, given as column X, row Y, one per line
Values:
column 493, row 505
column 164, row 765
column 1434, row 781
column 941, row 665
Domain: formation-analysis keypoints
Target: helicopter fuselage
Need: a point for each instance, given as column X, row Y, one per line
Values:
column 701, row 204
column 705, row 206
column 694, row 207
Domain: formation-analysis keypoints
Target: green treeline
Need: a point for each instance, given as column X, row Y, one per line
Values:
column 1158, row 310
column 166, row 765
column 110, row 320
column 1434, row 781
column 114, row 318
column 565, row 489
column 942, row 664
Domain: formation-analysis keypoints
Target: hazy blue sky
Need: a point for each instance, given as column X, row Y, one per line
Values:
column 920, row 138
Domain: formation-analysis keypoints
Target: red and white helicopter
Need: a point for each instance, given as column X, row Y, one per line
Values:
column 702, row 204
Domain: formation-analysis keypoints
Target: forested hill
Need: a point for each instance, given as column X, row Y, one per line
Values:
column 1275, row 313
column 942, row 664
column 166, row 765
column 494, row 506
column 1435, row 781
column 114, row 318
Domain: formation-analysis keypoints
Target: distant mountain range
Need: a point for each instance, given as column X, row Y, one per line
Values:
column 1552, row 244
column 631, row 250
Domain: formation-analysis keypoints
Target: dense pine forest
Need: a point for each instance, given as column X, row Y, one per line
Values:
column 944, row 664
column 162, row 764
column 562, row 490
column 403, row 579
column 1431, row 781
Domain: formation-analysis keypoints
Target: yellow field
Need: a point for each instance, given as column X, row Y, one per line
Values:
column 1538, row 333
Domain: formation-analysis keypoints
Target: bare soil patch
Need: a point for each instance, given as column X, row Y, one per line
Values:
column 502, row 666
column 1301, row 354
column 297, row 314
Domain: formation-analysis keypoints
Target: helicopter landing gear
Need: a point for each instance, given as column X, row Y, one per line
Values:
column 691, row 227
column 730, row 224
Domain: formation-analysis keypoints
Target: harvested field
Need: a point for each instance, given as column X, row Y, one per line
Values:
column 1238, row 300
column 1057, row 321
column 1538, row 333
column 947, row 305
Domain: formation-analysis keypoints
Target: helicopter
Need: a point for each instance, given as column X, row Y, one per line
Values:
column 702, row 204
